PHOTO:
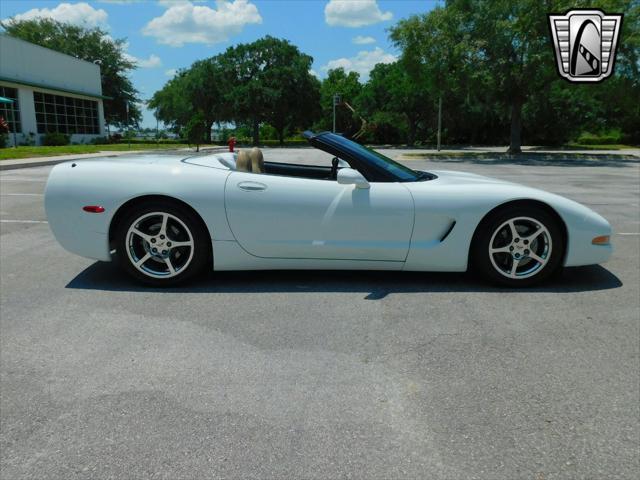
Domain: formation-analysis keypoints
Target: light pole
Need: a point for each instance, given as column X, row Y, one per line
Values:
column 127, row 129
column 155, row 113
column 337, row 100
column 439, row 119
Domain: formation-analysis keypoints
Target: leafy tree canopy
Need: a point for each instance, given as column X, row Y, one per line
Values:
column 264, row 81
column 349, row 87
column 269, row 80
column 493, row 63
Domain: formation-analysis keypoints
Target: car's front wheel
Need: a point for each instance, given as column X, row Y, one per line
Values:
column 518, row 246
column 162, row 244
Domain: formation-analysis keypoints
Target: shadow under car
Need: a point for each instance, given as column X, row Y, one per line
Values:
column 374, row 284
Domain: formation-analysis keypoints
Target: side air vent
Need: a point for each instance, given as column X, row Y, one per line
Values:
column 446, row 234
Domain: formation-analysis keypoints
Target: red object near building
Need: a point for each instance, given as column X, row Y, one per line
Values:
column 232, row 143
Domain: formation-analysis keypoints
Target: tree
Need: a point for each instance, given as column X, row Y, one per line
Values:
column 269, row 80
column 171, row 103
column 204, row 87
column 196, row 130
column 510, row 40
column 92, row 45
column 201, row 88
column 493, row 64
column 349, row 87
column 394, row 102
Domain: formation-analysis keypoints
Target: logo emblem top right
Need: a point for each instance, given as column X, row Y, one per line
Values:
column 585, row 44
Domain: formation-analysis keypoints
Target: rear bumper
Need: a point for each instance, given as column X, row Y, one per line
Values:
column 77, row 231
column 86, row 244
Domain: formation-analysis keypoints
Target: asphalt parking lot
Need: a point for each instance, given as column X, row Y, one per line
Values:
column 321, row 374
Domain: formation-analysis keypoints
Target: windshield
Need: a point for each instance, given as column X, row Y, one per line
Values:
column 404, row 173
column 397, row 170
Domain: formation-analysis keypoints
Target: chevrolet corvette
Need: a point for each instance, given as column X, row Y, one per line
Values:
column 165, row 219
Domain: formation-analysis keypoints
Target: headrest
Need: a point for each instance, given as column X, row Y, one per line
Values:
column 243, row 162
column 257, row 160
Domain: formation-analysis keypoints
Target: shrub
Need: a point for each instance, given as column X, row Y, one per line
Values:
column 28, row 140
column 163, row 141
column 100, row 141
column 287, row 142
column 3, row 140
column 290, row 142
column 609, row 137
column 55, row 139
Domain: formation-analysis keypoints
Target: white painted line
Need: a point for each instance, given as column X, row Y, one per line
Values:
column 5, row 179
column 626, row 233
column 23, row 221
column 21, row 194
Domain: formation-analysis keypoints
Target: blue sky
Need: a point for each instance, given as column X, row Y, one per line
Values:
column 166, row 35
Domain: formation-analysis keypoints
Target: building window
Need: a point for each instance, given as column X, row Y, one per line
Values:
column 11, row 111
column 55, row 113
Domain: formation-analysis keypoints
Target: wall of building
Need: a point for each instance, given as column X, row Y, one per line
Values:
column 30, row 68
column 25, row 62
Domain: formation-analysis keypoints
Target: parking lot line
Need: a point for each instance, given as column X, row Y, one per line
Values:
column 23, row 221
column 6, row 178
column 21, row 194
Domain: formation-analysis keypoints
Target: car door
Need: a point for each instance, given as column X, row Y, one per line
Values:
column 291, row 217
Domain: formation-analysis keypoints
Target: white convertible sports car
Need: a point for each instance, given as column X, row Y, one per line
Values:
column 165, row 219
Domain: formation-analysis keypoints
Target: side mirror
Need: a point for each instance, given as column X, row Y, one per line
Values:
column 349, row 176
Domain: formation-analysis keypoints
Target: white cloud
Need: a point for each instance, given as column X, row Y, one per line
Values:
column 354, row 13
column 362, row 63
column 170, row 3
column 166, row 3
column 360, row 40
column 314, row 73
column 78, row 13
column 187, row 23
column 152, row 62
column 171, row 72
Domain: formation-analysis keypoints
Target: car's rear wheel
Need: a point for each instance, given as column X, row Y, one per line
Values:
column 518, row 246
column 162, row 244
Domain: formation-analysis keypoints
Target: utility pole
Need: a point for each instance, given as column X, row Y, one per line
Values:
column 439, row 119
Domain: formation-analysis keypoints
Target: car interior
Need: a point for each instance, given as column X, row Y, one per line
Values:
column 253, row 161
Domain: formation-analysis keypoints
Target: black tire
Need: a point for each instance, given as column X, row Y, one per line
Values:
column 182, row 227
column 547, row 246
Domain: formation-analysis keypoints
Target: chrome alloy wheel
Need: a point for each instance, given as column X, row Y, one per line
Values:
column 159, row 245
column 520, row 247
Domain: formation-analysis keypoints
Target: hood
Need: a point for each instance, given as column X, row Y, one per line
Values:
column 451, row 177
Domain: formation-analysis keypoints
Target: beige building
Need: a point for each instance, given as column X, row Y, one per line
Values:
column 52, row 92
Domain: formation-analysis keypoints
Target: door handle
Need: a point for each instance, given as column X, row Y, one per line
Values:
column 252, row 186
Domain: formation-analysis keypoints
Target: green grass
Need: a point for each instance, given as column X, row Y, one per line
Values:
column 29, row 152
column 419, row 156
